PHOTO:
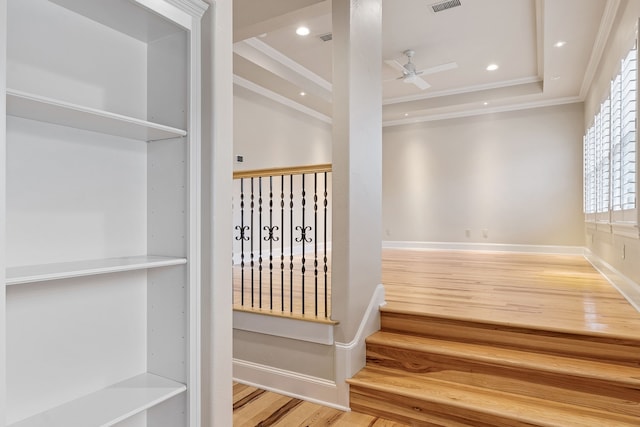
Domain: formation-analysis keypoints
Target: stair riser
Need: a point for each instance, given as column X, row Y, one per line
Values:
column 584, row 391
column 581, row 346
column 421, row 413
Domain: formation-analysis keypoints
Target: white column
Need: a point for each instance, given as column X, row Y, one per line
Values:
column 217, row 225
column 3, row 169
column 357, row 161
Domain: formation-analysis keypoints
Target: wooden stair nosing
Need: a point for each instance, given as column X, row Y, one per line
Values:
column 516, row 359
column 520, row 408
column 598, row 335
column 417, row 413
column 597, row 394
column 408, row 413
column 598, row 348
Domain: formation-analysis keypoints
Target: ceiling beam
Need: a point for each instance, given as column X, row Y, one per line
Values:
column 252, row 18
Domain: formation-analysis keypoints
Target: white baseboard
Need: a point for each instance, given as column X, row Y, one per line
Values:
column 351, row 357
column 305, row 387
column 627, row 287
column 490, row 247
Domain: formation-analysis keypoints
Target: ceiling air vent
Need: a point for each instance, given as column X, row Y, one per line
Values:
column 444, row 5
column 326, row 37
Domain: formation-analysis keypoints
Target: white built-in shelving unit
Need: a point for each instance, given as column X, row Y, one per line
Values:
column 99, row 222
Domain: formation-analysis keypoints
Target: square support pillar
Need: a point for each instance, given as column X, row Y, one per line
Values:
column 357, row 161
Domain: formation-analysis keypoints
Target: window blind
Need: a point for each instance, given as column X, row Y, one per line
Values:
column 628, row 140
column 610, row 144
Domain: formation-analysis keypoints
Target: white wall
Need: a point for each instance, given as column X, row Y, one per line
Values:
column 602, row 242
column 517, row 175
column 270, row 135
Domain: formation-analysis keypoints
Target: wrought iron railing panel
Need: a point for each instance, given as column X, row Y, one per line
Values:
column 296, row 233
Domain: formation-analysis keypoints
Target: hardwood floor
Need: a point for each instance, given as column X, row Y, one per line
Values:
column 482, row 339
column 479, row 339
column 556, row 292
column 277, row 295
column 253, row 407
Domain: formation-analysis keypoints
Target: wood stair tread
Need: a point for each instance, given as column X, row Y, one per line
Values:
column 385, row 382
column 417, row 310
column 518, row 359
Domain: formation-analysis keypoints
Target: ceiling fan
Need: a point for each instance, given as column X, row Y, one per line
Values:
column 411, row 75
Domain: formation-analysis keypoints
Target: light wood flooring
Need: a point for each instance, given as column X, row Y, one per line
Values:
column 279, row 291
column 555, row 292
column 479, row 339
column 254, row 407
column 484, row 339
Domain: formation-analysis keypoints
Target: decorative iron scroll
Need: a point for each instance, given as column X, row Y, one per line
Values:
column 296, row 233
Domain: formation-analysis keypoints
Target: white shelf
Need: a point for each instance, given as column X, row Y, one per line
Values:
column 110, row 405
column 124, row 16
column 66, row 270
column 34, row 107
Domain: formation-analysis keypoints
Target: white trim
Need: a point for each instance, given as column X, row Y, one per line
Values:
column 627, row 287
column 491, row 247
column 606, row 25
column 167, row 9
column 540, row 36
column 481, row 111
column 195, row 8
column 467, row 89
column 630, row 229
column 237, row 80
column 293, row 384
column 266, row 57
column 351, row 357
column 278, row 56
column 302, row 330
column 217, row 225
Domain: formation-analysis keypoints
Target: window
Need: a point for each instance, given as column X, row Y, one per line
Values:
column 628, row 130
column 610, row 144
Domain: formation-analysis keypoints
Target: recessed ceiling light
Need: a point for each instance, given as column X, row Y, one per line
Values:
column 492, row 67
column 302, row 31
column 559, row 43
column 406, row 114
column 303, row 93
column 555, row 77
column 485, row 103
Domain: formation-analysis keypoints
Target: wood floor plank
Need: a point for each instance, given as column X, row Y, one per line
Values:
column 557, row 292
column 394, row 389
column 557, row 305
column 262, row 408
column 259, row 409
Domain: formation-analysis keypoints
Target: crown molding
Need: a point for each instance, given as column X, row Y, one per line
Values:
column 606, row 26
column 239, row 81
column 195, row 8
column 467, row 89
column 278, row 56
column 274, row 61
column 482, row 111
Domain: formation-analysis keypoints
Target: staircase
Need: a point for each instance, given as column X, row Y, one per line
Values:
column 430, row 370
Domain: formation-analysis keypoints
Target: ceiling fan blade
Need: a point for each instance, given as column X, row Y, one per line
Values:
column 422, row 85
column 395, row 65
column 439, row 68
